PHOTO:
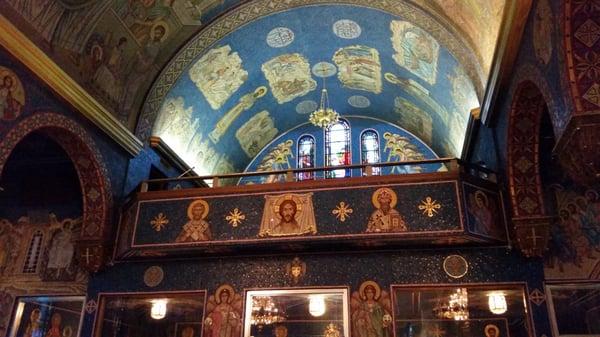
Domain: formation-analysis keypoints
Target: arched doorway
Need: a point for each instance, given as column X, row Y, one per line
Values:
column 92, row 174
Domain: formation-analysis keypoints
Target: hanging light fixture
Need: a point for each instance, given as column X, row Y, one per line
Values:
column 456, row 308
column 158, row 310
column 324, row 116
column 497, row 303
column 264, row 312
column 316, row 305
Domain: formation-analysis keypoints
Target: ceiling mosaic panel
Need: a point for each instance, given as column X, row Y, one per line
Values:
column 217, row 108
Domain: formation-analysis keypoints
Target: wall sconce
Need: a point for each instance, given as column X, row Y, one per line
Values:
column 316, row 305
column 497, row 303
column 158, row 309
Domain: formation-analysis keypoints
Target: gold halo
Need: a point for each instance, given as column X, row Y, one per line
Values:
column 490, row 327
column 484, row 198
column 220, row 290
column 376, row 203
column 18, row 92
column 260, row 91
column 279, row 200
column 194, row 203
column 361, row 290
column 165, row 26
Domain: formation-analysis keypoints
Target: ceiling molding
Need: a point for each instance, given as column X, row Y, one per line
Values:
column 50, row 73
column 509, row 40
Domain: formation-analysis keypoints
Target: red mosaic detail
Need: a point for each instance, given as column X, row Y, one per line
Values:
column 87, row 161
column 582, row 53
column 523, row 145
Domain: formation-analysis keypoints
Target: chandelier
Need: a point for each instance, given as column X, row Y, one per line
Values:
column 456, row 308
column 324, row 116
column 264, row 312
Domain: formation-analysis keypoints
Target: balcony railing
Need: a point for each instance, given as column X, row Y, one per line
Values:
column 315, row 173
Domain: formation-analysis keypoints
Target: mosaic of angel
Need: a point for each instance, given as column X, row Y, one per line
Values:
column 485, row 214
column 278, row 158
column 59, row 258
column 224, row 317
column 400, row 149
column 12, row 95
column 371, row 311
column 10, row 240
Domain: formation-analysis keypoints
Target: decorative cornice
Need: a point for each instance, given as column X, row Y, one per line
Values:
column 50, row 73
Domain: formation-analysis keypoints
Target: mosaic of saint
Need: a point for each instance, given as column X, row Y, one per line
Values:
column 288, row 214
column 289, row 76
column 12, row 95
column 543, row 25
column 224, row 310
column 359, row 68
column 218, row 74
column 244, row 103
column 257, row 132
column 416, row 50
column 197, row 228
column 485, row 214
column 385, row 218
column 371, row 310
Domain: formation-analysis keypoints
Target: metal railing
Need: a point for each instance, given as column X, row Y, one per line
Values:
column 291, row 175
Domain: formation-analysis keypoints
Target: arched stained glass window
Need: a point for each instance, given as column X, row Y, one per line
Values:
column 369, row 149
column 306, row 156
column 33, row 253
column 337, row 148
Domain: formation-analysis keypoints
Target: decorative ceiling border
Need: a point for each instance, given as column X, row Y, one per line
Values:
column 254, row 10
column 50, row 73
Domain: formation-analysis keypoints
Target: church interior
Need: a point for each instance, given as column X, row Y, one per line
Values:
column 301, row 168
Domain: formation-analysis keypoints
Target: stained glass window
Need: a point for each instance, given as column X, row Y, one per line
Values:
column 337, row 148
column 306, row 156
column 369, row 149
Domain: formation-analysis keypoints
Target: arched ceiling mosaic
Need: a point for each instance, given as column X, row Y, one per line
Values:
column 234, row 88
column 115, row 48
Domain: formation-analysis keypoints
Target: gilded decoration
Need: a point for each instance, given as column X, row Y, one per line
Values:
column 224, row 310
column 196, row 229
column 455, row 266
column 12, row 95
column 385, row 218
column 295, row 270
column 371, row 310
column 235, row 217
column 359, row 68
column 91, row 306
column 289, row 77
column 256, row 133
column 342, row 211
column 416, row 50
column 218, row 74
column 278, row 158
column 245, row 102
column 159, row 222
column 537, row 297
column 288, row 214
column 429, row 206
column 332, row 330
column 491, row 330
column 153, row 276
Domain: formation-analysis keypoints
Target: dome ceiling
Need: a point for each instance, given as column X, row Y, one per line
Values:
column 226, row 101
column 427, row 62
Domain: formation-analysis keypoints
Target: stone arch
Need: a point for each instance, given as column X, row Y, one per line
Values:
column 93, row 178
column 531, row 224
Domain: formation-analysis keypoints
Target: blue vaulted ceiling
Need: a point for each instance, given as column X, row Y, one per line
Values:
column 263, row 78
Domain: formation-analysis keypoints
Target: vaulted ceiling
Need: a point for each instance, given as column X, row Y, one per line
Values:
column 213, row 77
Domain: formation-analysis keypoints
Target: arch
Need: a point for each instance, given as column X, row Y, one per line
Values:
column 88, row 162
column 523, row 151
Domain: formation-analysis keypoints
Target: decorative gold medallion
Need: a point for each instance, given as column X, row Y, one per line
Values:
column 153, row 276
column 455, row 266
column 332, row 330
column 159, row 222
column 235, row 217
column 429, row 206
column 491, row 330
column 342, row 211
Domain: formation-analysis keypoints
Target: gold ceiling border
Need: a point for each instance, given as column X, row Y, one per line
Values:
column 254, row 10
column 50, row 73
